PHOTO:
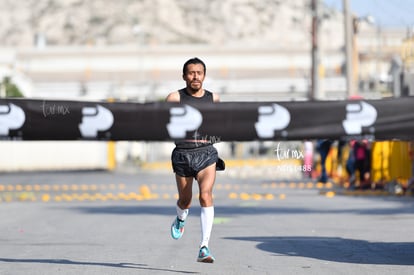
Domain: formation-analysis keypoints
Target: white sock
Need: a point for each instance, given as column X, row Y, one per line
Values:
column 206, row 219
column 182, row 213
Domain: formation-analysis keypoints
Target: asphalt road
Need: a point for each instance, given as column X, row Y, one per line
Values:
column 118, row 223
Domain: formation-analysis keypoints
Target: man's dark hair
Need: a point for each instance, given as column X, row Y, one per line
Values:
column 194, row 60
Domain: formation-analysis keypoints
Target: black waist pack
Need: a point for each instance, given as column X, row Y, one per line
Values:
column 220, row 165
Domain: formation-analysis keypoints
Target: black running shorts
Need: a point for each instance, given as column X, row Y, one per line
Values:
column 188, row 162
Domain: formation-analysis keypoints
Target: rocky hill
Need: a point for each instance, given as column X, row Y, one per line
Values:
column 106, row 22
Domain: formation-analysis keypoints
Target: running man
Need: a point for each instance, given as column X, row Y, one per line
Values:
column 195, row 158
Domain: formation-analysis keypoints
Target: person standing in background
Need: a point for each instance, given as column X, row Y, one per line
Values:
column 323, row 146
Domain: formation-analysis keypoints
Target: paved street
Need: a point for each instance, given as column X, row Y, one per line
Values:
column 118, row 223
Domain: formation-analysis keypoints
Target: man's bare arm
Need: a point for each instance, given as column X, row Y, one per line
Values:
column 173, row 97
column 216, row 97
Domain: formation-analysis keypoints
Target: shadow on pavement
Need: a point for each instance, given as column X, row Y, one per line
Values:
column 336, row 249
column 116, row 265
column 238, row 210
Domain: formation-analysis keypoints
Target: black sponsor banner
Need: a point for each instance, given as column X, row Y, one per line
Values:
column 25, row 119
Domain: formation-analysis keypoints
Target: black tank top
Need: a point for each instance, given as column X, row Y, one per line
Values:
column 198, row 139
column 187, row 98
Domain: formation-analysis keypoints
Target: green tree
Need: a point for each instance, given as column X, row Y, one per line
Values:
column 11, row 89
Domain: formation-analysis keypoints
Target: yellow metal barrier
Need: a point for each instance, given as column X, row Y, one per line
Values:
column 111, row 155
column 391, row 161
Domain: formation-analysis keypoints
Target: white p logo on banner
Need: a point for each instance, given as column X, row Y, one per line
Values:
column 95, row 119
column 183, row 119
column 359, row 115
column 12, row 117
column 271, row 118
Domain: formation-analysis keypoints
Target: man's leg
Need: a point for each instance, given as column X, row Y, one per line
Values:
column 184, row 187
column 206, row 178
column 185, row 191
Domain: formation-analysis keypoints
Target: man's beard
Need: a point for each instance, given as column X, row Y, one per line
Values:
column 195, row 86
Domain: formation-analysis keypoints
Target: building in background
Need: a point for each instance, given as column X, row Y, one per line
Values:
column 130, row 51
column 255, row 51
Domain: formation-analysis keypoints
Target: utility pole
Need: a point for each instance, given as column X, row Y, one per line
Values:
column 349, row 36
column 314, row 91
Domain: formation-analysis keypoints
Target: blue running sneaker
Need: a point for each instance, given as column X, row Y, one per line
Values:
column 177, row 228
column 204, row 256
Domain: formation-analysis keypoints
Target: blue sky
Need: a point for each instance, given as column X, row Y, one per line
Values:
column 387, row 13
